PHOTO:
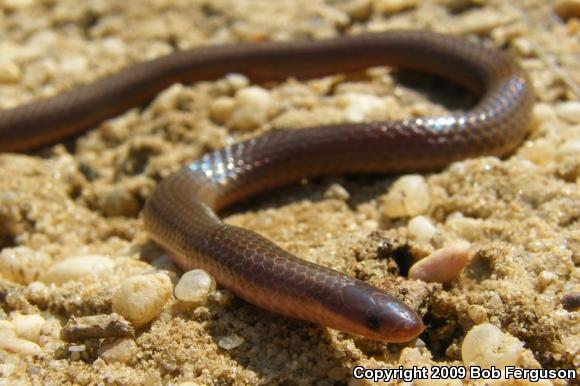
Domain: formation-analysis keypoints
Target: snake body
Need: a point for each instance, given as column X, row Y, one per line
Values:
column 180, row 214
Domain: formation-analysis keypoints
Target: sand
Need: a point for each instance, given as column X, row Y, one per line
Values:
column 518, row 217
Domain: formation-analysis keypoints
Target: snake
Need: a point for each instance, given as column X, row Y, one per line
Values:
column 181, row 213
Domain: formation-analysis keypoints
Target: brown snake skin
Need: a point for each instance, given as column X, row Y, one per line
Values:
column 180, row 215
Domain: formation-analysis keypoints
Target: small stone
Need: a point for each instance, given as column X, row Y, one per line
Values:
column 359, row 107
column 567, row 9
column 121, row 350
column 542, row 113
column 571, row 301
column 37, row 292
column 230, row 342
column 393, row 6
column 77, row 267
column 237, row 81
column 477, row 313
column 23, row 265
column 337, row 192
column 540, row 151
column 485, row 345
column 569, row 111
column 545, row 278
column 10, row 342
column 221, row 109
column 571, row 147
column 442, row 266
column 9, row 71
column 421, row 228
column 194, row 286
column 409, row 196
column 465, row 227
column 27, row 326
column 141, row 298
column 169, row 98
column 252, row 106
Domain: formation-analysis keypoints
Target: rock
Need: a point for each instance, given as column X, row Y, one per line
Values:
column 421, row 228
column 409, row 196
column 121, row 350
column 485, row 345
column 23, row 265
column 251, row 108
column 77, row 267
column 569, row 111
column 27, row 326
column 230, row 342
column 9, row 71
column 141, row 298
column 194, row 286
column 442, row 266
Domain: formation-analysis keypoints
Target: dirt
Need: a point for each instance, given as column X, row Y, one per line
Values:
column 520, row 214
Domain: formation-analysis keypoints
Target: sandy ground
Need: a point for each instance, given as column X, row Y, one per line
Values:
column 520, row 215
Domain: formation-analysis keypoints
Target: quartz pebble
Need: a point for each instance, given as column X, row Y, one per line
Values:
column 465, row 227
column 409, row 196
column 194, row 286
column 421, row 228
column 221, row 109
column 442, row 266
column 77, row 267
column 9, row 71
column 27, row 326
column 230, row 342
column 485, row 345
column 251, row 108
column 359, row 107
column 121, row 350
column 569, row 111
column 567, row 9
column 22, row 265
column 10, row 342
column 568, row 148
column 140, row 298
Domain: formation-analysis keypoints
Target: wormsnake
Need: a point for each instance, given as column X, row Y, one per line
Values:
column 180, row 214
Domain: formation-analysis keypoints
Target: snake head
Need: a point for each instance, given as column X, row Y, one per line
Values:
column 375, row 314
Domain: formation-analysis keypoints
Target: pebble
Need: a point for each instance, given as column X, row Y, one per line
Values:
column 10, row 342
column 168, row 99
column 541, row 113
column 485, row 345
column 409, row 196
column 421, row 228
column 251, row 108
column 359, row 107
column 465, row 227
column 141, row 298
column 567, row 9
column 27, row 327
column 194, row 286
column 77, row 267
column 442, row 266
column 120, row 351
column 540, row 151
column 37, row 292
column 571, row 147
column 22, row 265
column 9, row 71
column 569, row 111
column 230, row 342
column 337, row 192
column 393, row 6
column 221, row 109
column 237, row 81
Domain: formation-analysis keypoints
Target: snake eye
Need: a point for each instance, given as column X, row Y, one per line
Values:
column 372, row 321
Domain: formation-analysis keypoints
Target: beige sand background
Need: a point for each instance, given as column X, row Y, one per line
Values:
column 519, row 216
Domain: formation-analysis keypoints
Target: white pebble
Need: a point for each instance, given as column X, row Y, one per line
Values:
column 442, row 266
column 37, row 292
column 545, row 278
column 465, row 227
column 393, row 6
column 141, row 298
column 485, row 345
column 421, row 228
column 337, row 192
column 77, row 267
column 121, row 350
column 9, row 71
column 221, row 109
column 10, row 342
column 571, row 147
column 569, row 111
column 409, row 196
column 359, row 107
column 194, row 286
column 540, row 151
column 77, row 348
column 27, row 326
column 542, row 113
column 22, row 265
column 251, row 109
column 230, row 342
column 169, row 98
column 237, row 81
